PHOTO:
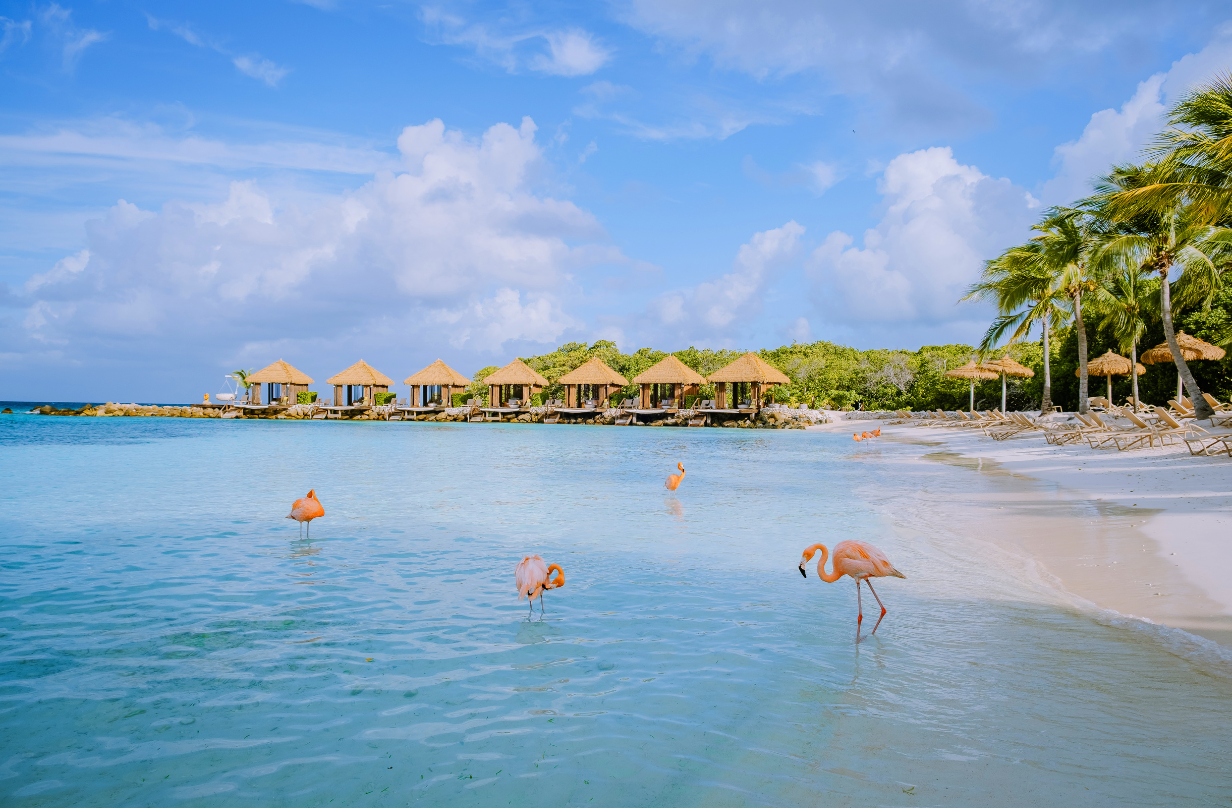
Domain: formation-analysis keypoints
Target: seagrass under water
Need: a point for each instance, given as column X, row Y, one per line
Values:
column 166, row 638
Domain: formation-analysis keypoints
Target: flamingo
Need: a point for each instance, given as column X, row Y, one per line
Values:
column 877, row 432
column 856, row 436
column 674, row 480
column 306, row 509
column 531, row 575
column 861, row 561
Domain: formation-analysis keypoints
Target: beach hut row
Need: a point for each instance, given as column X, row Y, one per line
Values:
column 740, row 387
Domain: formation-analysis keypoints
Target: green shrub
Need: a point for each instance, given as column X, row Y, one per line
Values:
column 689, row 401
column 459, row 399
column 382, row 399
column 537, row 400
column 305, row 397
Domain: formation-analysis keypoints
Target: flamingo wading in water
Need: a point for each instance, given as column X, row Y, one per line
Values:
column 531, row 575
column 674, row 480
column 862, row 561
column 305, row 509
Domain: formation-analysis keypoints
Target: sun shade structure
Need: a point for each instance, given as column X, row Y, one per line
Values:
column 517, row 380
column 281, row 380
column 667, row 382
column 435, row 385
column 590, row 381
column 1191, row 348
column 973, row 372
column 358, row 385
column 1005, row 366
column 1110, row 365
column 750, row 370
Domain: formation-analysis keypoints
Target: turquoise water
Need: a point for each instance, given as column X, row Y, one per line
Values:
column 167, row 638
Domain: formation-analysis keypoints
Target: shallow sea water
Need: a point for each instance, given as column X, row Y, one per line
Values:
column 167, row 638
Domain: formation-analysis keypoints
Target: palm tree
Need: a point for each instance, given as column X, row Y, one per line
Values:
column 1123, row 303
column 1159, row 241
column 1069, row 239
column 1023, row 288
column 1191, row 161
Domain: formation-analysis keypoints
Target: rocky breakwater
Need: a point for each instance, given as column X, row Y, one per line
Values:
column 111, row 409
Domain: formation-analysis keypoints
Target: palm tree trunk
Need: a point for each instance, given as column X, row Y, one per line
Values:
column 1082, row 354
column 1046, row 405
column 1133, row 373
column 1202, row 410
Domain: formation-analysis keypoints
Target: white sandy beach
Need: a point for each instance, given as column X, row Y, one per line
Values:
column 1149, row 537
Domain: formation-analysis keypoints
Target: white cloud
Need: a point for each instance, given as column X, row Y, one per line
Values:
column 715, row 309
column 456, row 246
column 13, row 30
column 1119, row 136
column 941, row 220
column 916, row 58
column 800, row 330
column 250, row 65
column 74, row 40
column 571, row 53
column 261, row 69
column 821, row 175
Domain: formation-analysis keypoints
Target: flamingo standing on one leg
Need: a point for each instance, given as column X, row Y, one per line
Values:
column 877, row 432
column 861, row 561
column 305, row 509
column 673, row 480
column 531, row 575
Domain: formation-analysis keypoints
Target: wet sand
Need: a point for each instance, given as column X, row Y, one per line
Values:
column 1143, row 533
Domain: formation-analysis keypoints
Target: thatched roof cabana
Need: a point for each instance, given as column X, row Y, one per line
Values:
column 749, row 369
column 973, row 373
column 362, row 375
column 594, row 374
column 667, row 381
column 516, row 381
column 282, row 381
column 436, row 381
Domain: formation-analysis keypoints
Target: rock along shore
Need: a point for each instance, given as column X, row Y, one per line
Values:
column 764, row 419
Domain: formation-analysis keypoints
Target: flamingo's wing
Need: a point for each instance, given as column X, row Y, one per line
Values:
column 877, row 561
column 530, row 573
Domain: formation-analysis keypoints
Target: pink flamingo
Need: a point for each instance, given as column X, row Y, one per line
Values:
column 531, row 575
column 673, row 480
column 305, row 509
column 861, row 561
column 856, row 436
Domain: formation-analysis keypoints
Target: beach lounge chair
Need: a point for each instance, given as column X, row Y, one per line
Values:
column 1179, row 409
column 1167, row 430
column 1202, row 443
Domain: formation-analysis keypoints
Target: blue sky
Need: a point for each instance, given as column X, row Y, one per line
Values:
column 192, row 188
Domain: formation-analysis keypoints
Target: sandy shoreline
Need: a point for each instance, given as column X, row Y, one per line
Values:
column 1144, row 533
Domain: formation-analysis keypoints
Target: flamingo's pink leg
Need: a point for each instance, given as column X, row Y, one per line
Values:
column 879, row 603
column 859, row 610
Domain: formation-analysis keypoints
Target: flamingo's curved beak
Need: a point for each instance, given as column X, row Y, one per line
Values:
column 802, row 572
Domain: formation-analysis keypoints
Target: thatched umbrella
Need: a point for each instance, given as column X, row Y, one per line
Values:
column 1008, row 367
column 1191, row 348
column 749, row 369
column 973, row 372
column 593, row 373
column 1110, row 365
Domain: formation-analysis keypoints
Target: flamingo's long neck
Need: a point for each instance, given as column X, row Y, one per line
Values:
column 821, row 563
column 558, row 581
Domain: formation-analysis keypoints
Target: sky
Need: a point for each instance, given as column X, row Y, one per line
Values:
column 187, row 189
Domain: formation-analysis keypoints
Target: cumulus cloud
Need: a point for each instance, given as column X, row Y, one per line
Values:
column 713, row 310
column 941, row 220
column 570, row 53
column 1118, row 136
column 456, row 245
